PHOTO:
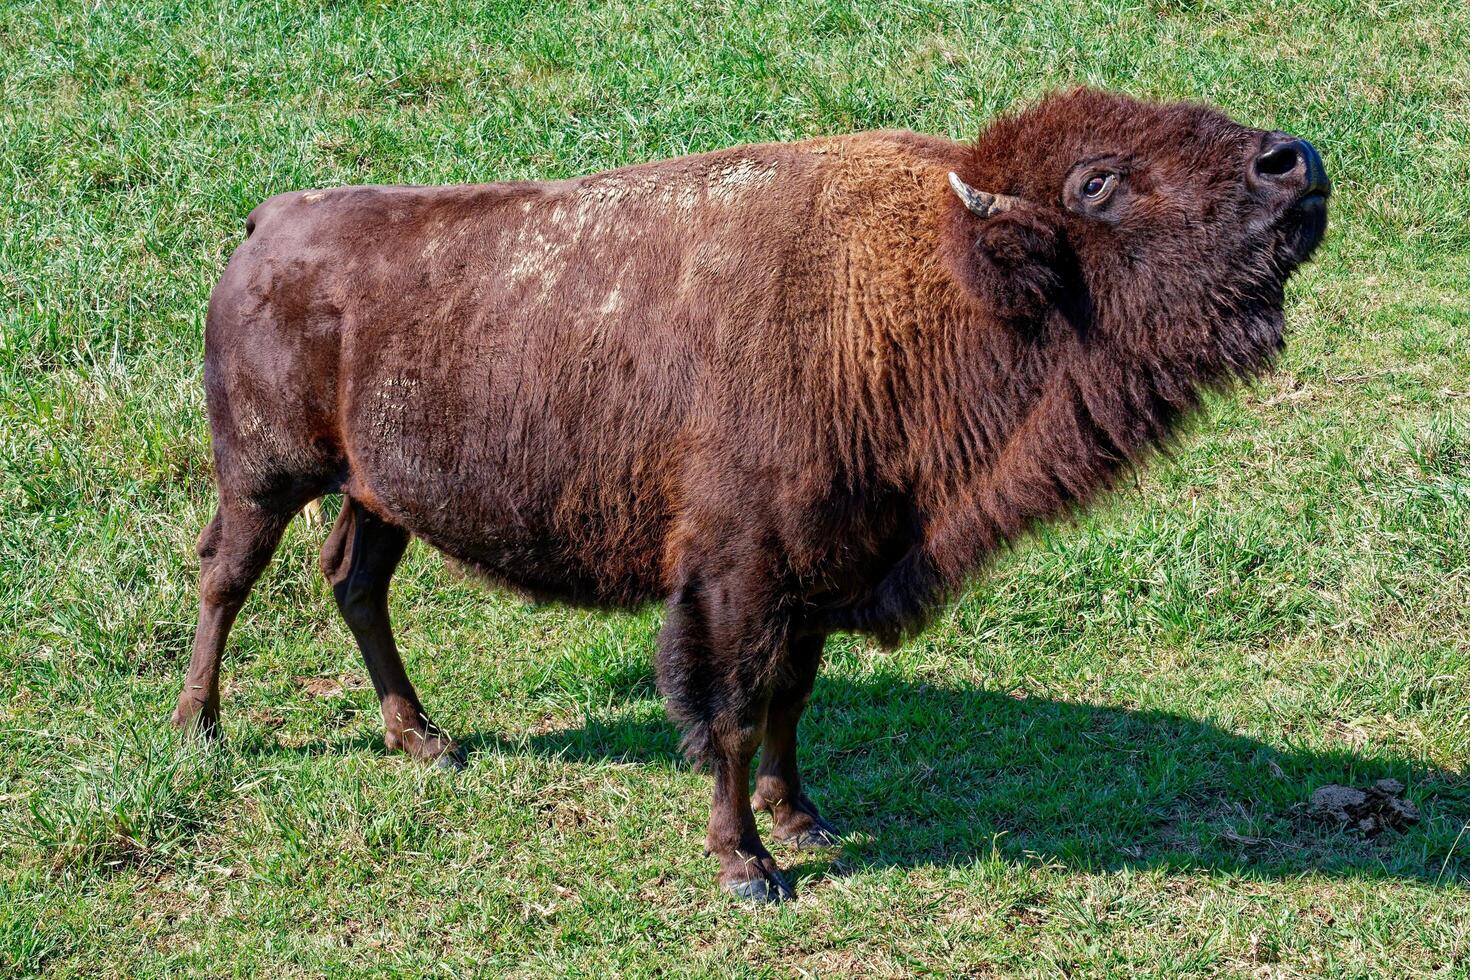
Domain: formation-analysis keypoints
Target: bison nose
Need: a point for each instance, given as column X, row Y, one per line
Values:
column 1289, row 164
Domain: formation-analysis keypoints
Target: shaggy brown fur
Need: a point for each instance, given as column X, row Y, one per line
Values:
column 786, row 388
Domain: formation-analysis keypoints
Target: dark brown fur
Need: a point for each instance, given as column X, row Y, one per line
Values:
column 786, row 389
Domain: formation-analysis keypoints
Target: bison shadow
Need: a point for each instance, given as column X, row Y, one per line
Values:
column 920, row 774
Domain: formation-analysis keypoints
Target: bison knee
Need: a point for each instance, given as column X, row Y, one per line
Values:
column 226, row 584
column 361, row 606
column 208, row 543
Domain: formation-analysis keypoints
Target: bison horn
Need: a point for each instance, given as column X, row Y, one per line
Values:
column 981, row 204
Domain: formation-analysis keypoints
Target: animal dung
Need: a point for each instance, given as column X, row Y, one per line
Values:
column 1369, row 811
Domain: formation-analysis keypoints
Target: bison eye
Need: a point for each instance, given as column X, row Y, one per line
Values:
column 1093, row 189
column 1098, row 185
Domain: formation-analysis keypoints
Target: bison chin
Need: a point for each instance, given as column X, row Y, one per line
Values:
column 1265, row 336
column 1302, row 228
column 1297, row 234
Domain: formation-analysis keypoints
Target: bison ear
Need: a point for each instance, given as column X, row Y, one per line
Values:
column 1010, row 254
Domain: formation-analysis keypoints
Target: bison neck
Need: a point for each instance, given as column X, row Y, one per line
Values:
column 1035, row 432
column 1092, row 416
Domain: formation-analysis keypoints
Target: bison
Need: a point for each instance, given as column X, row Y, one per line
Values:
column 785, row 389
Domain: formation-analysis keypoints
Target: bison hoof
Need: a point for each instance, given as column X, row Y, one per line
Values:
column 452, row 761
column 817, row 837
column 770, row 889
column 195, row 721
column 802, row 827
column 427, row 745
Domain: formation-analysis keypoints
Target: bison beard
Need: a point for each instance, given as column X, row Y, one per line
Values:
column 787, row 389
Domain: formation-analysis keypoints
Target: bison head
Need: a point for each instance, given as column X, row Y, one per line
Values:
column 1166, row 228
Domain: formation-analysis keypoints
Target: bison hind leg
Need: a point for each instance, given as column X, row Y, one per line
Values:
column 234, row 549
column 359, row 559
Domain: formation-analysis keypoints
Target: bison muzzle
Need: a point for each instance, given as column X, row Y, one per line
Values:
column 786, row 389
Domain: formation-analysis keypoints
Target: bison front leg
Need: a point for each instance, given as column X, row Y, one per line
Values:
column 778, row 787
column 359, row 559
column 718, row 651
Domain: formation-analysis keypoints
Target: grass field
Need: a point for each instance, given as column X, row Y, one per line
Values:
column 1097, row 764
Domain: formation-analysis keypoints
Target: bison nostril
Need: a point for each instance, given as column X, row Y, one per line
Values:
column 1278, row 161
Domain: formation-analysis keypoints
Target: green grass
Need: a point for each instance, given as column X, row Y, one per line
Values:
column 1096, row 764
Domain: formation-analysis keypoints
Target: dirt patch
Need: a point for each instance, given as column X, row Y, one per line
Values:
column 1369, row 811
column 331, row 687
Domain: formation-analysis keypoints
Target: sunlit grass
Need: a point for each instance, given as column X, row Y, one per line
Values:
column 1096, row 764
